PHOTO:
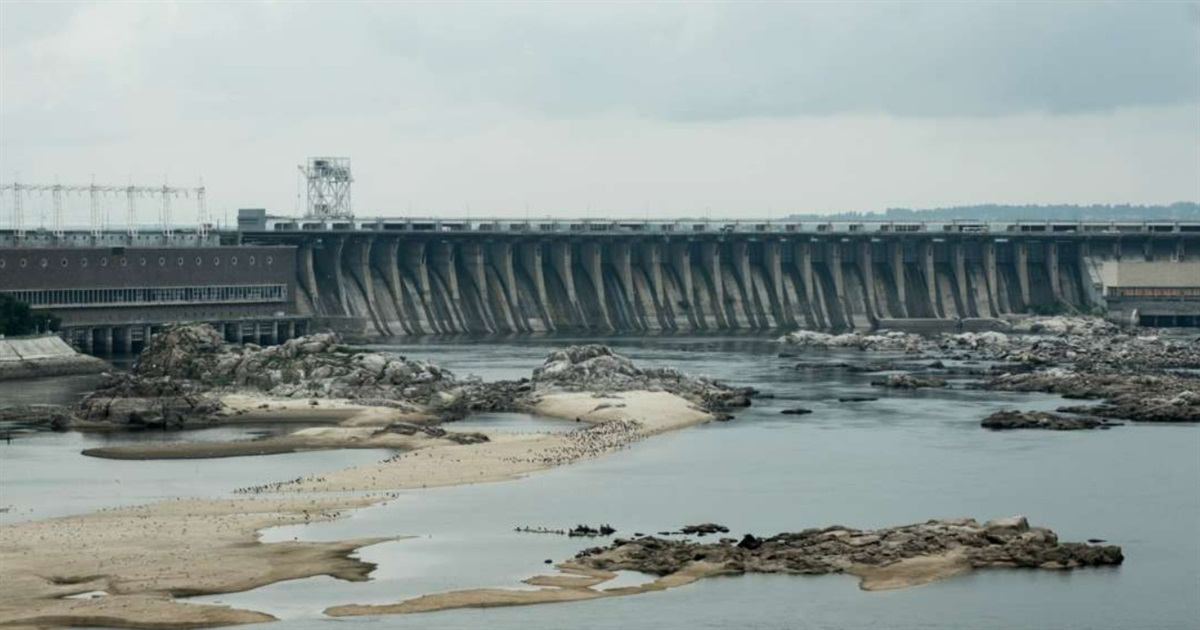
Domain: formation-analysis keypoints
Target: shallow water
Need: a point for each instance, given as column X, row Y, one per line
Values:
column 907, row 457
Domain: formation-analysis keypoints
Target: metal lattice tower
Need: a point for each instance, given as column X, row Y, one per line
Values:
column 329, row 182
column 96, row 192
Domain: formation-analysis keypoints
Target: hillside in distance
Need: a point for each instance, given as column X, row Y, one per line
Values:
column 1179, row 211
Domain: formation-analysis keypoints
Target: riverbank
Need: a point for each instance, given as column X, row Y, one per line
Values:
column 129, row 563
column 38, row 357
column 142, row 557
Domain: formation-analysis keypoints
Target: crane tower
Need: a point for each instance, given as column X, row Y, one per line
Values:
column 329, row 182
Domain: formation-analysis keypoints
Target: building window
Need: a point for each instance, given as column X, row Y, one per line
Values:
column 63, row 262
column 44, row 263
column 179, row 261
column 104, row 261
column 162, row 261
column 270, row 260
column 83, row 262
column 216, row 261
column 199, row 261
column 233, row 260
column 252, row 261
column 124, row 261
column 24, row 263
column 143, row 261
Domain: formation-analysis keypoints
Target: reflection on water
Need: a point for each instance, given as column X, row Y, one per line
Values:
column 907, row 457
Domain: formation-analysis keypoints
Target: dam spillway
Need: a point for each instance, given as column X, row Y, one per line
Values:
column 520, row 279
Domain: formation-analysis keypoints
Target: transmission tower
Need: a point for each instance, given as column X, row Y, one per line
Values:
column 329, row 182
column 95, row 192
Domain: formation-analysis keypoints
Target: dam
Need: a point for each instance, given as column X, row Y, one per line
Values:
column 274, row 278
column 396, row 277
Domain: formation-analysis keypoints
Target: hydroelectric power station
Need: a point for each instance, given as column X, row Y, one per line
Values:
column 276, row 277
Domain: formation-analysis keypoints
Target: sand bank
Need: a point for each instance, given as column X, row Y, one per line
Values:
column 577, row 583
column 607, row 423
column 143, row 556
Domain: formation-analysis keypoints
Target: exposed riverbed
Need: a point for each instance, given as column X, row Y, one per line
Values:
column 909, row 456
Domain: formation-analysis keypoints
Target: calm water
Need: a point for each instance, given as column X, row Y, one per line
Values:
column 906, row 457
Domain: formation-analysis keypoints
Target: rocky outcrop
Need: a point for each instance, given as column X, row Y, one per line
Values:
column 1161, row 397
column 313, row 366
column 597, row 368
column 129, row 401
column 909, row 381
column 1009, row 419
column 1009, row 542
column 893, row 340
column 28, row 418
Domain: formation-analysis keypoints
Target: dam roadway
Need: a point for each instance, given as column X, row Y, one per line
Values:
column 397, row 277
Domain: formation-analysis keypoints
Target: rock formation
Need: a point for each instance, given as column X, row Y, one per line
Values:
column 1008, row 419
column 1009, row 542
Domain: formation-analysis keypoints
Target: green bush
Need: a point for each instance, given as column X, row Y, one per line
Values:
column 16, row 318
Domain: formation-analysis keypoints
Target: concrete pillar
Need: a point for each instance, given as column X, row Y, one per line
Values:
column 896, row 261
column 1021, row 249
column 531, row 261
column 833, row 260
column 444, row 262
column 413, row 258
column 361, row 257
column 960, row 278
column 867, row 266
column 710, row 260
column 925, row 253
column 126, row 340
column 472, row 262
column 802, row 258
column 147, row 334
column 590, row 251
column 1052, row 269
column 385, row 255
column 774, row 266
column 989, row 272
column 681, row 260
column 740, row 262
column 652, row 265
column 338, row 276
column 274, row 339
column 308, row 277
column 106, row 340
column 622, row 261
column 502, row 262
column 291, row 329
column 561, row 260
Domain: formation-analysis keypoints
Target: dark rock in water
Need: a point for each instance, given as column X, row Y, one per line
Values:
column 591, row 532
column 1009, row 542
column 721, row 416
column 37, row 417
column 857, row 399
column 796, row 411
column 1010, row 419
column 909, row 381
column 408, row 428
column 750, row 541
column 1096, row 541
column 465, row 437
column 704, row 529
column 548, row 561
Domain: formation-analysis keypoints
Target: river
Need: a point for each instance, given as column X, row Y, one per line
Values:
column 906, row 457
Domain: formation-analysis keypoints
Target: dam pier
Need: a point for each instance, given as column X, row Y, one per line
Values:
column 275, row 278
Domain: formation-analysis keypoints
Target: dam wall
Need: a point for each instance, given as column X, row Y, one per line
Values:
column 416, row 284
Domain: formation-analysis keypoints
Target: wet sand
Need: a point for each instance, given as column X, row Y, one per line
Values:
column 143, row 556
column 577, row 582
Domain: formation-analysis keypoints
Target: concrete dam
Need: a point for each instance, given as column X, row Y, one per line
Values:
column 520, row 279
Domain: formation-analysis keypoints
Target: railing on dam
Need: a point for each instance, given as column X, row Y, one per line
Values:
column 711, row 226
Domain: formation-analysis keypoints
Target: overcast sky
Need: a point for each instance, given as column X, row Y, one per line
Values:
column 609, row 109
